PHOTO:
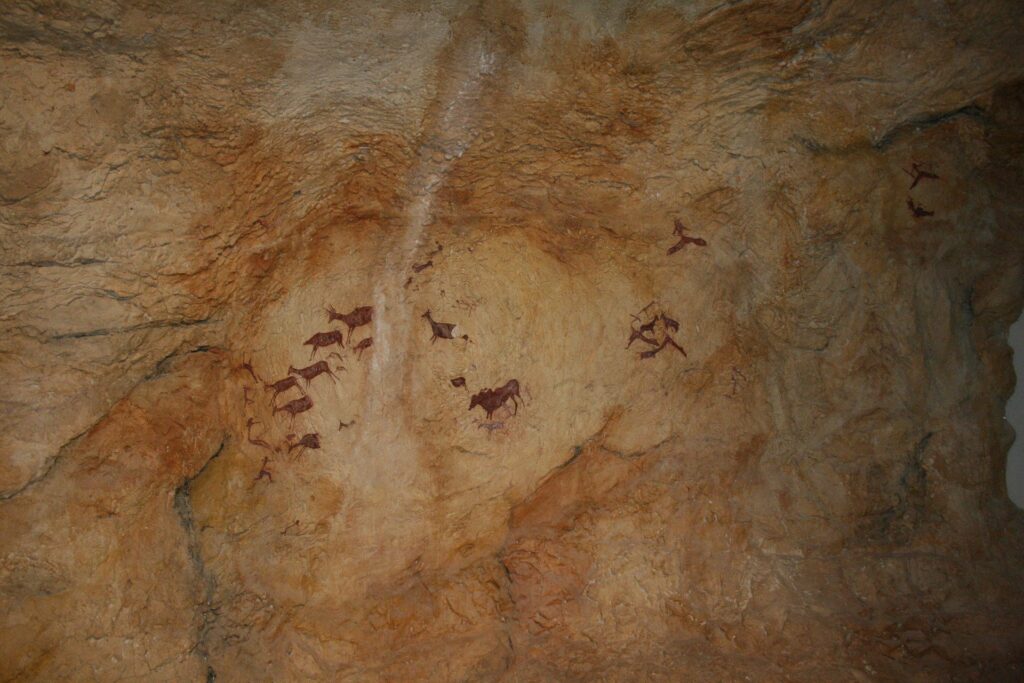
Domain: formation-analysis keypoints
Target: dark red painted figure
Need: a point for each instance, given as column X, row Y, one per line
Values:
column 323, row 339
column 293, row 408
column 247, row 366
column 680, row 231
column 459, row 382
column 492, row 399
column 638, row 334
column 315, row 370
column 282, row 386
column 441, row 330
column 917, row 210
column 357, row 317
column 255, row 442
column 362, row 346
column 307, row 441
column 666, row 342
column 264, row 472
column 918, row 174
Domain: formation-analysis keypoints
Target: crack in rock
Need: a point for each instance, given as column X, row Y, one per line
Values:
column 208, row 612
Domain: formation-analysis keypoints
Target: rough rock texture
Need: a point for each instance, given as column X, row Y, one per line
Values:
column 814, row 491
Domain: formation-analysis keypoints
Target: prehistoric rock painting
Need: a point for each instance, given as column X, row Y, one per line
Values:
column 491, row 427
column 363, row 345
column 918, row 211
column 458, row 382
column 736, row 379
column 918, row 173
column 357, row 317
column 282, row 385
column 264, row 473
column 667, row 341
column 256, row 442
column 310, row 441
column 659, row 324
column 293, row 408
column 247, row 366
column 323, row 339
column 441, row 330
column 492, row 399
column 315, row 370
column 679, row 230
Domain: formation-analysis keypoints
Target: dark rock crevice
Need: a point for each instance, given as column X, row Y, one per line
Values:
column 208, row 585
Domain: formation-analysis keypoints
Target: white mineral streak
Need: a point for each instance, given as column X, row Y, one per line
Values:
column 394, row 319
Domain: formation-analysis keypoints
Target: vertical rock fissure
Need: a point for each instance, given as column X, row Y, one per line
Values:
column 183, row 508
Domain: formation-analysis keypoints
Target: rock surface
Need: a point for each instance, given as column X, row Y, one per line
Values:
column 808, row 487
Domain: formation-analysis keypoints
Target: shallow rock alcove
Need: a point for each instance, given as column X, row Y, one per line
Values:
column 510, row 341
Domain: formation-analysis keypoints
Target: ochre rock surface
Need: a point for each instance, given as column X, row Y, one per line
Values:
column 808, row 487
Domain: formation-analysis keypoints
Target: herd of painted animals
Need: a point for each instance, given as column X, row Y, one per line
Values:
column 656, row 333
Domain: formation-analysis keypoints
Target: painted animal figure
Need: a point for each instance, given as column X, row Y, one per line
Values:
column 324, row 339
column 307, row 441
column 459, row 382
column 917, row 210
column 419, row 267
column 357, row 317
column 362, row 346
column 492, row 399
column 293, row 408
column 282, row 385
column 670, row 324
column 441, row 330
column 487, row 399
column 315, row 370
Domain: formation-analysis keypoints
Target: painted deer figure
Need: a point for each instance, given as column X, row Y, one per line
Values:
column 308, row 441
column 441, row 330
column 282, row 385
column 357, row 317
column 315, row 370
column 324, row 339
column 362, row 346
column 293, row 408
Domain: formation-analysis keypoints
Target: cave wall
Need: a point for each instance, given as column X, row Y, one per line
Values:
column 810, row 486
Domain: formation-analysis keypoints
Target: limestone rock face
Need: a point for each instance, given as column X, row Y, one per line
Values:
column 751, row 266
